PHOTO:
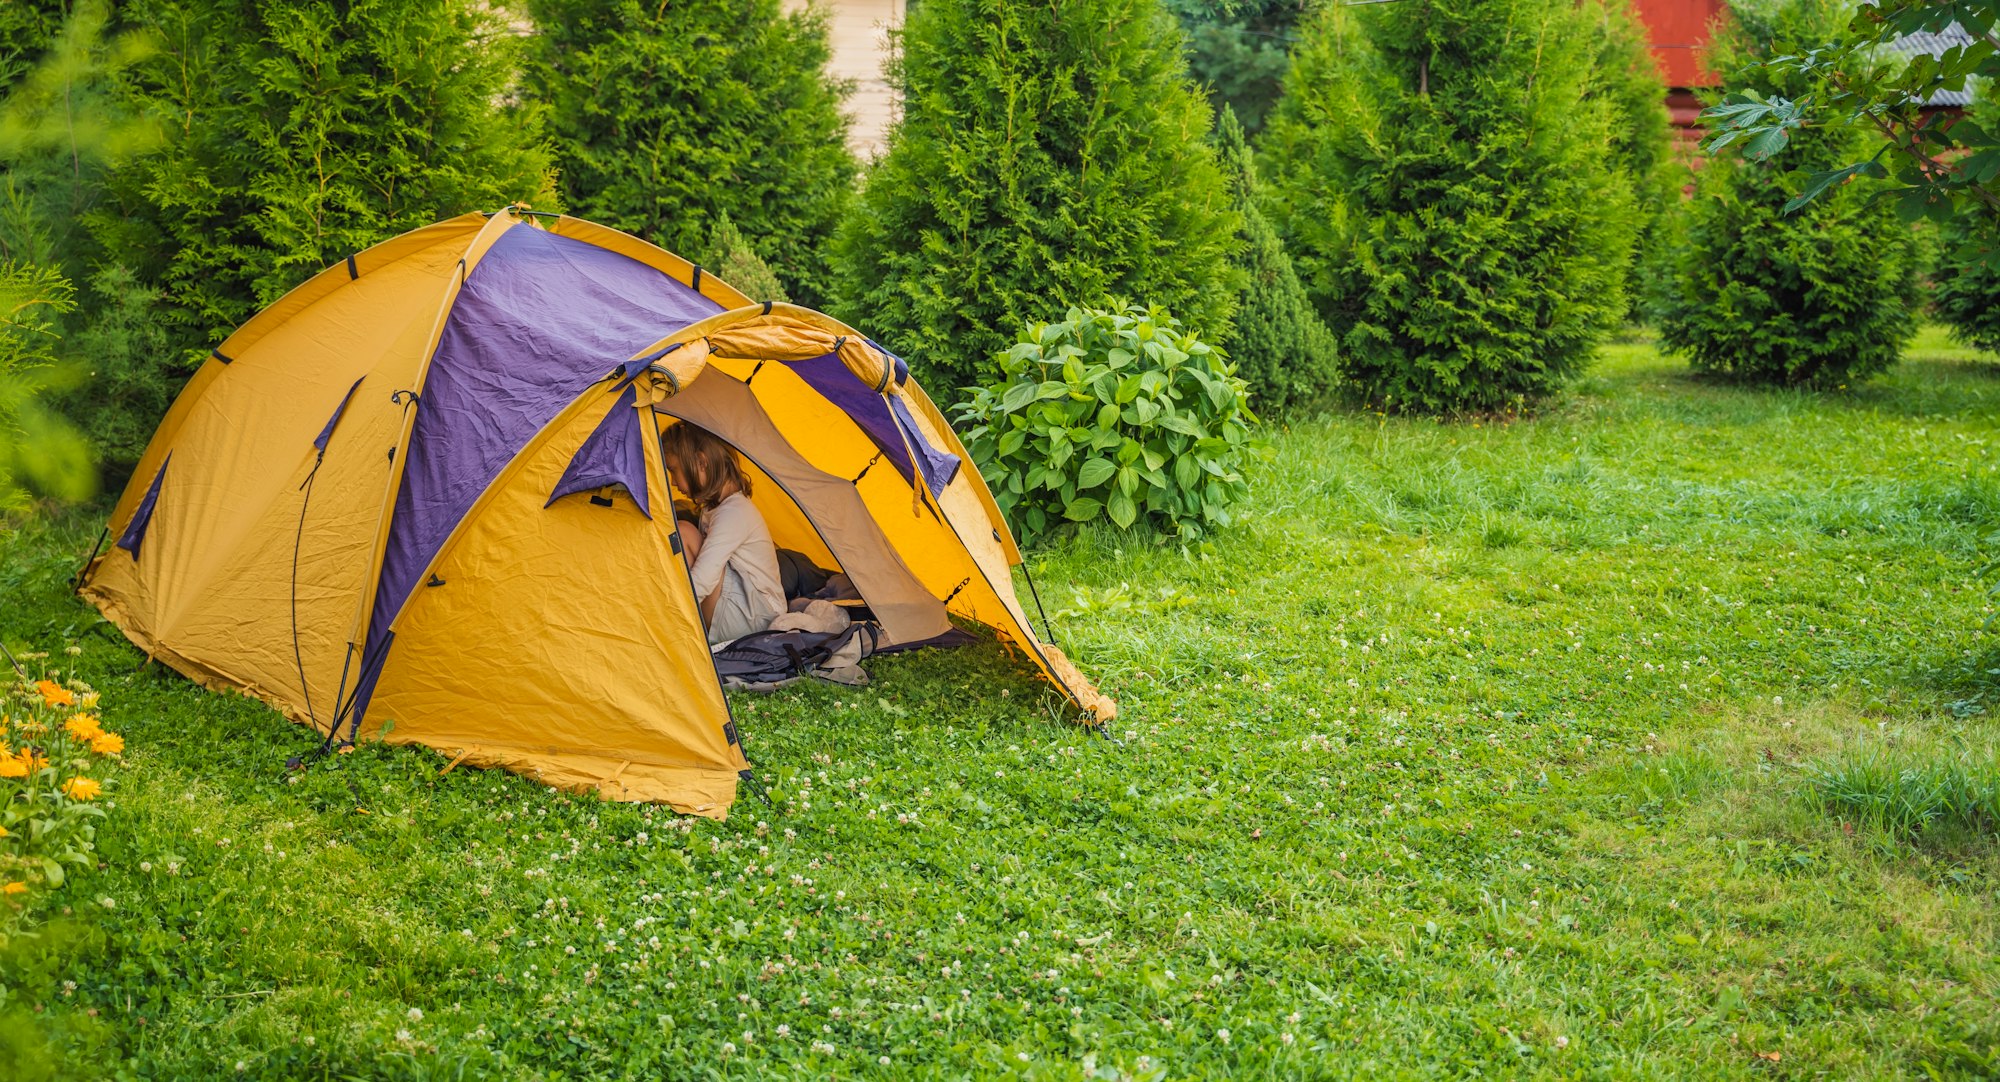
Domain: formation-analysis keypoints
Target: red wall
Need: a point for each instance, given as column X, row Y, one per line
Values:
column 1679, row 30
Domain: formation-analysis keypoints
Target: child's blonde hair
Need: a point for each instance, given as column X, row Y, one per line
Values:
column 702, row 465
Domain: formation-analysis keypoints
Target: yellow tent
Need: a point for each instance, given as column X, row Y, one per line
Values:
column 426, row 488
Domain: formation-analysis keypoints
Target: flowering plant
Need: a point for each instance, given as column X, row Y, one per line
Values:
column 56, row 762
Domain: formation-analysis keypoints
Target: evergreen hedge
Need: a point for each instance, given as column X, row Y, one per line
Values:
column 1281, row 349
column 1446, row 179
column 1968, row 285
column 736, row 262
column 665, row 117
column 311, row 132
column 1968, row 267
column 1821, row 297
column 1642, row 135
column 1048, row 156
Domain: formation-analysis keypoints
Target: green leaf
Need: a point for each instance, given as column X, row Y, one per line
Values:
column 1012, row 441
column 1820, row 182
column 1122, row 510
column 1017, row 396
column 1082, row 509
column 1187, row 471
column 1095, row 472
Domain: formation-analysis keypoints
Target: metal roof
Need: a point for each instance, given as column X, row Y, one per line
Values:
column 1924, row 42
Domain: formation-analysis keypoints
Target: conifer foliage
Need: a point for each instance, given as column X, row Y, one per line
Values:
column 1281, row 349
column 1048, row 155
column 296, row 134
column 1820, row 297
column 1642, row 139
column 665, row 116
column 1443, row 172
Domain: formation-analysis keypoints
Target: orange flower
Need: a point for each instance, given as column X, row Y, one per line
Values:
column 84, row 726
column 107, row 743
column 16, row 887
column 11, row 767
column 55, row 694
column 30, row 758
column 82, row 789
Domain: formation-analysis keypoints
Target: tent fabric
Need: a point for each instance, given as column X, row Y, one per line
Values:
column 614, row 454
column 326, row 434
column 135, row 531
column 541, row 317
column 438, row 390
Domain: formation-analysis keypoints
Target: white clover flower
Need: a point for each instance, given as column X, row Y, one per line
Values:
column 416, row 1014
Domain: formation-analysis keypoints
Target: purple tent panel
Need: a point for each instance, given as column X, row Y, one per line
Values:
column 326, row 434
column 541, row 318
column 870, row 409
column 135, row 531
column 612, row 455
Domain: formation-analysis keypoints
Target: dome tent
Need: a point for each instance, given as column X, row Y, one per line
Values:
column 421, row 498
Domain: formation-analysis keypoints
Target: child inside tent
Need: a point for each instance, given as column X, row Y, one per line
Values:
column 729, row 550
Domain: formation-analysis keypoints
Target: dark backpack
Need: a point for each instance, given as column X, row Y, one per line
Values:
column 770, row 659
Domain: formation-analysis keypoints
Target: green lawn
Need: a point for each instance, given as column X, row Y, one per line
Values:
column 1538, row 747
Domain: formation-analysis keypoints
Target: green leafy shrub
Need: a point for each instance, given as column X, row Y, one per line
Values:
column 664, row 116
column 1116, row 415
column 1047, row 155
column 1445, row 178
column 311, row 132
column 737, row 263
column 1822, row 297
column 1281, row 349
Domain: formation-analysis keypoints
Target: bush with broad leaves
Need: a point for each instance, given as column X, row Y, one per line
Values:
column 1114, row 415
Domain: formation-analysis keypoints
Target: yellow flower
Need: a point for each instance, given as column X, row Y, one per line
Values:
column 4, row 832
column 82, row 789
column 16, row 887
column 30, row 758
column 11, row 767
column 54, row 694
column 84, row 727
column 87, row 700
column 107, row 743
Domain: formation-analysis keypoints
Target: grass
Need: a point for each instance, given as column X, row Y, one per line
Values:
column 1529, row 748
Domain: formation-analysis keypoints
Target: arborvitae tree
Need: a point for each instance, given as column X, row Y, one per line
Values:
column 1821, row 297
column 1445, row 175
column 297, row 135
column 1642, row 138
column 1279, row 345
column 664, row 116
column 1239, row 50
column 737, row 263
column 1048, row 156
column 1968, row 269
column 26, row 28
